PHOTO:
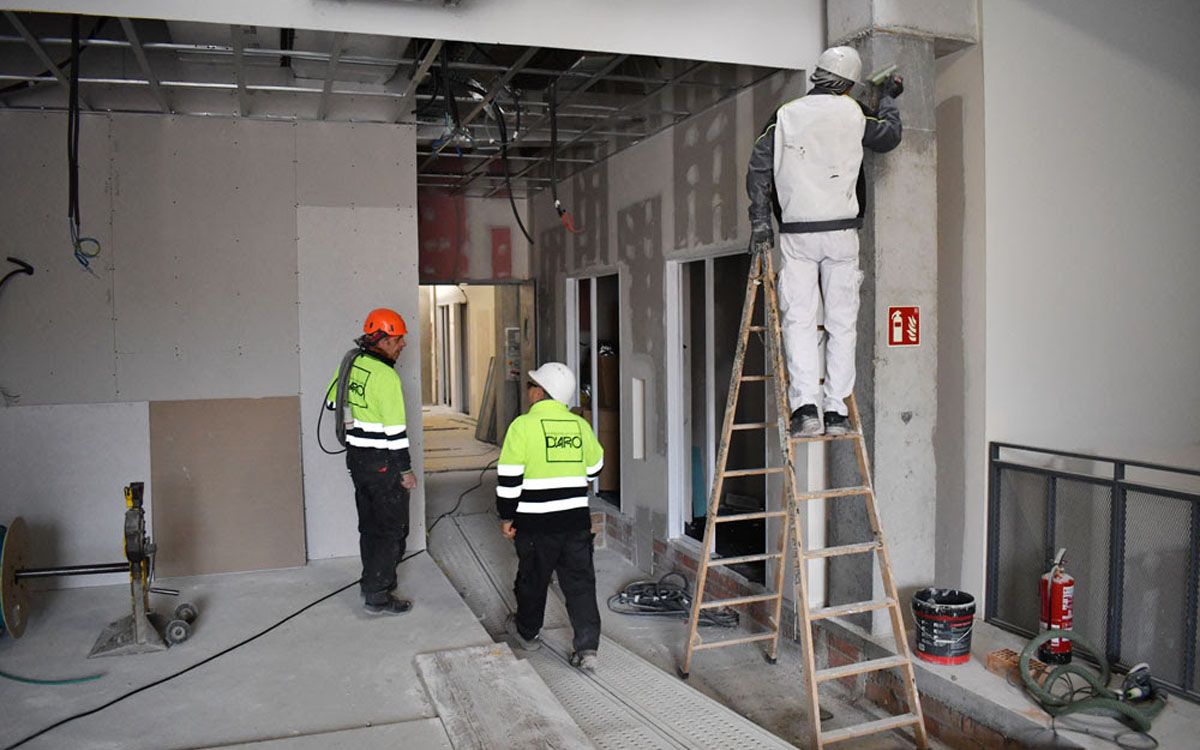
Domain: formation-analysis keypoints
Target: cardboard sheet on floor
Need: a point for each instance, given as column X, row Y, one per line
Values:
column 227, row 485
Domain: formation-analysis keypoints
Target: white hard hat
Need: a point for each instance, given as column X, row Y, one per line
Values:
column 556, row 379
column 841, row 61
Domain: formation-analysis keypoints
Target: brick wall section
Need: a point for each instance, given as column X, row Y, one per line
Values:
column 722, row 583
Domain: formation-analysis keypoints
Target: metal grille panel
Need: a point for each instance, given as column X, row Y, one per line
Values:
column 1022, row 547
column 1082, row 515
column 1157, row 531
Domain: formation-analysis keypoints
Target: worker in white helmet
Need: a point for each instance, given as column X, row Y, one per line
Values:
column 806, row 168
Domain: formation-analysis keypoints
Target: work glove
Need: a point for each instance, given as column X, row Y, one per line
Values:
column 892, row 87
column 761, row 240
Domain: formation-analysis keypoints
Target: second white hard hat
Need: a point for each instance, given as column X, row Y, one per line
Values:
column 841, row 61
column 556, row 379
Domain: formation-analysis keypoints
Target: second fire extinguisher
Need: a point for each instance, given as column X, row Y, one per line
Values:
column 1057, row 597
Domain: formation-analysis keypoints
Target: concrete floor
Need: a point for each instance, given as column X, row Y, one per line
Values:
column 333, row 669
column 770, row 696
column 450, row 443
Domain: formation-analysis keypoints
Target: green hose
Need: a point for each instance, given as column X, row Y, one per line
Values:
column 34, row 681
column 1102, row 700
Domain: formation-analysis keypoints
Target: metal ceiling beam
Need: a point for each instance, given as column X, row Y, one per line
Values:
column 511, row 157
column 40, row 52
column 418, row 76
column 592, row 80
column 135, row 44
column 631, row 105
column 235, row 35
column 339, row 40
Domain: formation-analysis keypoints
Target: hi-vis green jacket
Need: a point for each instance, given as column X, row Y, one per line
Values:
column 377, row 405
column 548, row 458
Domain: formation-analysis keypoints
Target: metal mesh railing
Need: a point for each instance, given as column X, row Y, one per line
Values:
column 1132, row 546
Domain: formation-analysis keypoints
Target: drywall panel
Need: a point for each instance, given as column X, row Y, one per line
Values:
column 780, row 33
column 351, row 260
column 1093, row 330
column 480, row 331
column 354, row 164
column 205, row 291
column 229, row 495
column 64, row 470
column 56, row 328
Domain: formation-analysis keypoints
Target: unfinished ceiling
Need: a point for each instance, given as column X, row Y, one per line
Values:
column 466, row 99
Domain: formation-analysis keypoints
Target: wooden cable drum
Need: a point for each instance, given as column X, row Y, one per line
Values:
column 14, row 600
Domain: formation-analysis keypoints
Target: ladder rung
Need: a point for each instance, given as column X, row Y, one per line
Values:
column 845, row 549
column 753, row 472
column 878, row 726
column 835, row 492
column 757, row 329
column 745, row 559
column 756, row 378
column 825, row 438
column 753, row 425
column 862, row 667
column 750, row 516
column 734, row 641
column 739, row 600
column 854, row 608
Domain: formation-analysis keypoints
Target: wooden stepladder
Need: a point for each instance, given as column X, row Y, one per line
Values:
column 791, row 535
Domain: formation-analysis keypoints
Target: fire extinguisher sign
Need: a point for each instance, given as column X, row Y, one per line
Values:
column 904, row 326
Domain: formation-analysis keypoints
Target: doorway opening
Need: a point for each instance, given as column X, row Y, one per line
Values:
column 594, row 351
column 710, row 294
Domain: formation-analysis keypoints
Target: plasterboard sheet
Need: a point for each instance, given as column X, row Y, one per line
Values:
column 351, row 260
column 355, row 164
column 206, row 287
column 228, row 479
column 61, row 302
column 65, row 469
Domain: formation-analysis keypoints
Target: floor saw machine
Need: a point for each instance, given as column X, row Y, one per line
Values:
column 142, row 630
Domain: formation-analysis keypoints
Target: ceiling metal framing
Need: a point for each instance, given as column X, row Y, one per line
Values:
column 605, row 102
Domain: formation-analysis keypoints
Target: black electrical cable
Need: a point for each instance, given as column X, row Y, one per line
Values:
column 85, row 248
column 23, row 267
column 663, row 599
column 198, row 664
column 454, row 510
column 503, row 127
column 321, row 414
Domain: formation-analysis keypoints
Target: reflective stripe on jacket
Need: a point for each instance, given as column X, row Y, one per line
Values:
column 377, row 406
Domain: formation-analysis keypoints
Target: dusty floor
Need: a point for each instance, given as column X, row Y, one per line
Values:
column 450, row 443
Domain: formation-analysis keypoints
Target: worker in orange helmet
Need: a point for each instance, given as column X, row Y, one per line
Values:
column 377, row 456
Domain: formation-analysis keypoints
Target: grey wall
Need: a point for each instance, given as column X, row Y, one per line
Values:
column 205, row 287
column 676, row 195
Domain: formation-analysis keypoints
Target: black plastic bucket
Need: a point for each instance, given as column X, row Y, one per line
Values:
column 944, row 619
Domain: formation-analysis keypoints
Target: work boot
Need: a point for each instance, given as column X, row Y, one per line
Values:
column 806, row 422
column 526, row 644
column 389, row 606
column 836, row 424
column 585, row 660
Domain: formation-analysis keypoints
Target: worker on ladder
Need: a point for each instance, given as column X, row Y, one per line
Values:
column 548, row 459
column 806, row 167
column 377, row 457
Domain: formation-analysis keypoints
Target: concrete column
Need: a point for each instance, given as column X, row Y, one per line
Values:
column 897, row 387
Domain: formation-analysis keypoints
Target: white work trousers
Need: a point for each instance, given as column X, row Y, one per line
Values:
column 830, row 259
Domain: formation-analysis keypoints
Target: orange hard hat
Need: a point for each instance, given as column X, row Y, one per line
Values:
column 385, row 320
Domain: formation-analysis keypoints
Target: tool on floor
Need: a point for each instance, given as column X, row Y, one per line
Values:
column 142, row 630
column 791, row 533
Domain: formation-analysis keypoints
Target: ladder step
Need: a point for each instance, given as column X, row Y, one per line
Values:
column 835, row 492
column 756, row 378
column 753, row 425
column 750, row 516
column 757, row 329
column 854, row 608
column 745, row 559
column 871, row 727
column 826, row 438
column 739, row 600
column 752, row 472
column 862, row 667
column 735, row 641
column 845, row 549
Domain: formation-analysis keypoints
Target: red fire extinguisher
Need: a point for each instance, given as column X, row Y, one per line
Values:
column 1058, row 596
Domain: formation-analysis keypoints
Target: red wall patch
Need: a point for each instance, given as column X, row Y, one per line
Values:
column 441, row 237
column 501, row 253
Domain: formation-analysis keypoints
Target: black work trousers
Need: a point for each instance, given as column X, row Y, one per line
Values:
column 569, row 554
column 382, row 520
